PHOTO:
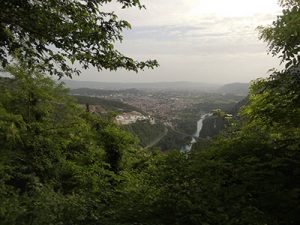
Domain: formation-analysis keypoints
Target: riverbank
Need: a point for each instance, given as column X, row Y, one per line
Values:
column 188, row 147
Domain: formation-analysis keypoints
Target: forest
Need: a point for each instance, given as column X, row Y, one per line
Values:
column 60, row 164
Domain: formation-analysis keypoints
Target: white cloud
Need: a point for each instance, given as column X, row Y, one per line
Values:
column 191, row 37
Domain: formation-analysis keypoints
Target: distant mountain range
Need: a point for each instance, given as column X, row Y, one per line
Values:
column 234, row 88
column 149, row 86
column 231, row 88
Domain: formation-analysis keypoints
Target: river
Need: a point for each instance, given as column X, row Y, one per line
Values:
column 196, row 135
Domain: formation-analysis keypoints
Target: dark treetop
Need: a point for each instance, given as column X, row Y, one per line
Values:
column 53, row 34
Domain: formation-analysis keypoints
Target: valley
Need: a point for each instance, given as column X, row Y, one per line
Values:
column 164, row 119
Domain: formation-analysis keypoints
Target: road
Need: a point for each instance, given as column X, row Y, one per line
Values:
column 156, row 140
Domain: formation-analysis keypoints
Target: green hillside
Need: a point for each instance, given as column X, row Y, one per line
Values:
column 145, row 131
column 108, row 105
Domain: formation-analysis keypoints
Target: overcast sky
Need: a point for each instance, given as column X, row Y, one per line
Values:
column 211, row 41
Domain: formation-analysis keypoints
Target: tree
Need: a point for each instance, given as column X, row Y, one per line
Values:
column 56, row 160
column 284, row 34
column 251, row 173
column 53, row 34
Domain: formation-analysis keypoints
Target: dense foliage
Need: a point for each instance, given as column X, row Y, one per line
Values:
column 283, row 35
column 58, row 164
column 53, row 34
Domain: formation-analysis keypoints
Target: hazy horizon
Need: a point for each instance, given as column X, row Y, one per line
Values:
column 158, row 86
column 151, row 82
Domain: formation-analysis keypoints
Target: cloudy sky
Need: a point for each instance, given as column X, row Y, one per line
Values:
column 212, row 41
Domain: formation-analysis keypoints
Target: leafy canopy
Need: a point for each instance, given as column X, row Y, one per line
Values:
column 53, row 34
column 284, row 34
column 58, row 163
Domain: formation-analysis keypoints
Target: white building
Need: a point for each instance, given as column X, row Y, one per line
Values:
column 129, row 118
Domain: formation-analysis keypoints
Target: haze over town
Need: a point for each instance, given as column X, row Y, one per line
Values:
column 210, row 41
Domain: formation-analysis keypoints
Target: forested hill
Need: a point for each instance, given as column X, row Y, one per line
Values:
column 106, row 104
column 148, row 134
column 215, row 124
column 235, row 88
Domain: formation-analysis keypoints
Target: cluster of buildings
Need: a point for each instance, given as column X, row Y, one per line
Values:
column 132, row 117
column 161, row 107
